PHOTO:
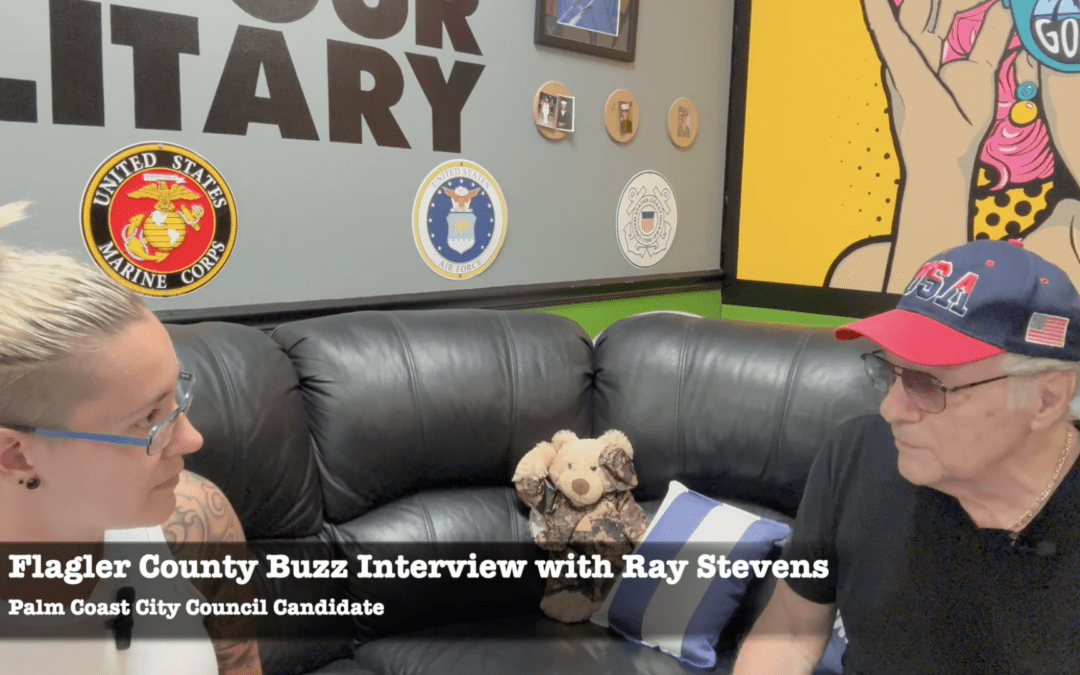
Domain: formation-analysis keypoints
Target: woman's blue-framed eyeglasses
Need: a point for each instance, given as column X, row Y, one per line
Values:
column 159, row 436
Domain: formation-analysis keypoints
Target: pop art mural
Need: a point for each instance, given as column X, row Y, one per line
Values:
column 904, row 128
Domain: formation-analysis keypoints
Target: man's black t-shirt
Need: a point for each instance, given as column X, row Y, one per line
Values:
column 920, row 588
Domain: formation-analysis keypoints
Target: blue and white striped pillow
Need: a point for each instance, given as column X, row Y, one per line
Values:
column 685, row 619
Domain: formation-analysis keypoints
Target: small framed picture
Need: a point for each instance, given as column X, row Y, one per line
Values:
column 600, row 27
column 621, row 116
column 553, row 111
column 564, row 114
column 546, row 107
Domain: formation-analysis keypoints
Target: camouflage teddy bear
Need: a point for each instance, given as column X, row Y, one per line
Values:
column 579, row 493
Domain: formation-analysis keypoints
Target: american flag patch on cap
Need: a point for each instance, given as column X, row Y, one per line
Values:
column 1046, row 329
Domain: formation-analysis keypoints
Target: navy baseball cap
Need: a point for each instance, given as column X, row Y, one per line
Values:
column 975, row 301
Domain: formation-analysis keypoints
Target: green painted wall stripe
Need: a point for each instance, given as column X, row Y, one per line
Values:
column 596, row 316
column 737, row 313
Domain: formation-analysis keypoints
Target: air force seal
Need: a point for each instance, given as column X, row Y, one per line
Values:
column 647, row 217
column 158, row 219
column 459, row 220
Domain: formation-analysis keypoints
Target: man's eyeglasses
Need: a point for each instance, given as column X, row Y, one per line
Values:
column 160, row 434
column 925, row 390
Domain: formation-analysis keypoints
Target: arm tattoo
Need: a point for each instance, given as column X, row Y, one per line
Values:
column 203, row 514
column 204, row 525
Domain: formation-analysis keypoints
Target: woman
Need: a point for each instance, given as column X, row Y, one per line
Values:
column 93, row 434
column 976, row 119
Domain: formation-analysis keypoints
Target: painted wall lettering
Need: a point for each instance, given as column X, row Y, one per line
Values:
column 375, row 23
column 277, row 11
column 18, row 100
column 432, row 15
column 235, row 103
column 447, row 97
column 78, row 88
column 157, row 40
column 348, row 103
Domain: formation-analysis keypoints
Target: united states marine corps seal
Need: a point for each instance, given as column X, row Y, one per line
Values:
column 159, row 219
column 647, row 218
column 459, row 219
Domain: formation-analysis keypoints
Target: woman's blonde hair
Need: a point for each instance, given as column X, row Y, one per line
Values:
column 54, row 312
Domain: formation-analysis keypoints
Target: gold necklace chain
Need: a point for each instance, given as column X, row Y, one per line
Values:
column 1049, row 487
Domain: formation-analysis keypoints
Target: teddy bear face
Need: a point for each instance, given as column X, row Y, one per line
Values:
column 582, row 470
column 577, row 472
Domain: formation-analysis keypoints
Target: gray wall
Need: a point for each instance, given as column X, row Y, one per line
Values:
column 320, row 220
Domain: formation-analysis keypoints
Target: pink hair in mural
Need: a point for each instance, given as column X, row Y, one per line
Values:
column 1019, row 153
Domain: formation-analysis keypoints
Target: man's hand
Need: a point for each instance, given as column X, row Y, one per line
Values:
column 204, row 515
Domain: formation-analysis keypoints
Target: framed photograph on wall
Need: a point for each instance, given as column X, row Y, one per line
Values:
column 600, row 27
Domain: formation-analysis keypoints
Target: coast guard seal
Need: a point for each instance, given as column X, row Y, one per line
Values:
column 158, row 219
column 459, row 219
column 646, row 221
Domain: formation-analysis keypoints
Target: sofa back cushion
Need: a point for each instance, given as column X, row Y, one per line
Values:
column 730, row 409
column 257, row 449
column 256, row 445
column 400, row 402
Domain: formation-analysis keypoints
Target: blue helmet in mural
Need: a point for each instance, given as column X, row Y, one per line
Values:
column 1049, row 31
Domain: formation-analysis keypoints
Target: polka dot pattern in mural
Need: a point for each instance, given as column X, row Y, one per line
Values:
column 807, row 194
column 868, row 161
column 1009, row 213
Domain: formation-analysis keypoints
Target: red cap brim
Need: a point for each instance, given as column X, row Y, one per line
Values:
column 918, row 339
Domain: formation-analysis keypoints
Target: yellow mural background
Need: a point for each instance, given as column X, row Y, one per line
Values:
column 819, row 169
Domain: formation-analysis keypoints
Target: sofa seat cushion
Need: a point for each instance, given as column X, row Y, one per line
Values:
column 531, row 644
column 342, row 667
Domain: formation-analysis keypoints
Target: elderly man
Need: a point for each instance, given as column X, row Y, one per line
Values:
column 951, row 523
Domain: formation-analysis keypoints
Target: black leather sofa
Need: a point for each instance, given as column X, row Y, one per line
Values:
column 407, row 426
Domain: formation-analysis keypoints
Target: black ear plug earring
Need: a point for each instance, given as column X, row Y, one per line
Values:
column 33, row 483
